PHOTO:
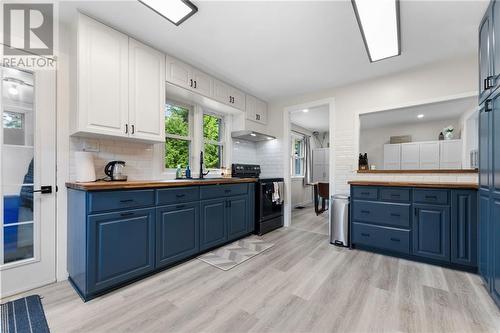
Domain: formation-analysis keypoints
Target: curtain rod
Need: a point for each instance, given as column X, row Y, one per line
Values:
column 301, row 133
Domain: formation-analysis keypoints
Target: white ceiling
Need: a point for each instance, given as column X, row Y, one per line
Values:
column 315, row 119
column 432, row 112
column 275, row 49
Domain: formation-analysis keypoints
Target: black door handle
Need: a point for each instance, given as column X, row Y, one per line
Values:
column 133, row 129
column 43, row 190
column 194, row 84
column 191, row 83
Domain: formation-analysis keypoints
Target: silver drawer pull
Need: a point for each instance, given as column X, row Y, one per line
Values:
column 395, row 239
column 365, row 212
column 365, row 234
column 395, row 215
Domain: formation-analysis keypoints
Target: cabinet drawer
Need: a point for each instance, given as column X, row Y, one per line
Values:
column 393, row 214
column 395, row 194
column 384, row 238
column 177, row 195
column 117, row 200
column 363, row 192
column 217, row 191
column 437, row 197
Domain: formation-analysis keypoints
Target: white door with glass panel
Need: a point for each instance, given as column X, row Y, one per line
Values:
column 28, row 180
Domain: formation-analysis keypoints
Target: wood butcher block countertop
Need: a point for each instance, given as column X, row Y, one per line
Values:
column 125, row 185
column 471, row 186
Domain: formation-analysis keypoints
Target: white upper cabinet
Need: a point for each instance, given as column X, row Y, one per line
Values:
column 392, row 157
column 102, row 75
column 179, row 73
column 202, row 83
column 221, row 92
column 451, row 154
column 146, row 92
column 256, row 110
column 429, row 155
column 120, row 85
column 238, row 99
column 410, row 156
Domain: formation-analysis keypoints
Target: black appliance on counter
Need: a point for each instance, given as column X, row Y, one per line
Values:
column 268, row 212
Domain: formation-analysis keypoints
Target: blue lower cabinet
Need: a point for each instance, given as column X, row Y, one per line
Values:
column 464, row 227
column 431, row 232
column 177, row 233
column 120, row 248
column 383, row 238
column 213, row 229
column 237, row 219
column 495, row 250
column 484, row 233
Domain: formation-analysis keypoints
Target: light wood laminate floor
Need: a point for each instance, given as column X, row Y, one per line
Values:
column 302, row 284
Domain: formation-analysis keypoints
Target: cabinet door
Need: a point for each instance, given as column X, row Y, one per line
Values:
column 392, row 157
column 464, row 227
column 237, row 219
column 429, row 155
column 202, row 83
column 213, row 223
column 238, row 99
column 410, row 156
column 494, row 137
column 179, row 73
column 495, row 43
column 484, row 235
column 102, row 79
column 431, row 232
column 484, row 55
column 495, row 249
column 177, row 232
column 146, row 92
column 261, row 112
column 251, row 108
column 450, row 154
column 485, row 148
column 251, row 208
column 222, row 92
column 120, row 247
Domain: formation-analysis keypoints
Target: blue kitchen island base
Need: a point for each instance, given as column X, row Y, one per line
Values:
column 121, row 236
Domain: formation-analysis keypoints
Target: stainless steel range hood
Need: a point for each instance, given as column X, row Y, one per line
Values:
column 251, row 136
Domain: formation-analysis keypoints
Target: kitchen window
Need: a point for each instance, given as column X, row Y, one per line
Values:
column 298, row 157
column 178, row 119
column 213, row 140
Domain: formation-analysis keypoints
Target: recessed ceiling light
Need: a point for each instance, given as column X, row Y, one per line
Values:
column 379, row 25
column 253, row 134
column 305, row 110
column 269, row 138
column 13, row 90
column 176, row 11
column 420, row 116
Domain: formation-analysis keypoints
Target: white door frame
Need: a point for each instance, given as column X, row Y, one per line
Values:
column 40, row 270
column 287, row 132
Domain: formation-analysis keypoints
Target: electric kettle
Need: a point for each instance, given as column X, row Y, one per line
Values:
column 114, row 170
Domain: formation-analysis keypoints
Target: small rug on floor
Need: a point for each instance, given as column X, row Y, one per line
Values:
column 231, row 255
column 23, row 315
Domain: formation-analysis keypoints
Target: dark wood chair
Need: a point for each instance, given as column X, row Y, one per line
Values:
column 321, row 191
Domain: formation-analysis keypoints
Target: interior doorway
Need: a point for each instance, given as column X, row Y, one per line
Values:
column 308, row 159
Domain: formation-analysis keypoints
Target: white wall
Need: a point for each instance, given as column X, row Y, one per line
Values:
column 421, row 85
column 372, row 140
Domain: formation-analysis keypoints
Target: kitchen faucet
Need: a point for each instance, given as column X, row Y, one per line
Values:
column 201, row 167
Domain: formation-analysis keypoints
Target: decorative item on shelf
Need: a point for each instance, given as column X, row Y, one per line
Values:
column 373, row 167
column 363, row 161
column 448, row 132
column 400, row 139
column 178, row 172
column 441, row 136
column 188, row 172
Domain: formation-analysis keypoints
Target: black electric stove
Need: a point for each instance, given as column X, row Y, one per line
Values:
column 268, row 210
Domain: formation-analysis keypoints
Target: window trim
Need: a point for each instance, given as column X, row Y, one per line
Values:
column 189, row 138
column 293, row 158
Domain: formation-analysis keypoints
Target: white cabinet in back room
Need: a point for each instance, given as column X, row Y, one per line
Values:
column 146, row 92
column 102, row 75
column 320, row 165
column 429, row 155
column 451, row 154
column 120, row 90
column 410, row 156
column 392, row 156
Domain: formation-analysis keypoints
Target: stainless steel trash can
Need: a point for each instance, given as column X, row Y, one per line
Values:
column 339, row 223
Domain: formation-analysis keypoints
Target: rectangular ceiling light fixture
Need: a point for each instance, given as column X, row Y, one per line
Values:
column 379, row 24
column 176, row 11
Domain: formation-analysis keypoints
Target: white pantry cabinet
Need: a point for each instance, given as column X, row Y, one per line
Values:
column 320, row 165
column 410, row 156
column 451, row 154
column 256, row 110
column 102, row 75
column 429, row 155
column 392, row 156
column 146, row 92
column 120, row 85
